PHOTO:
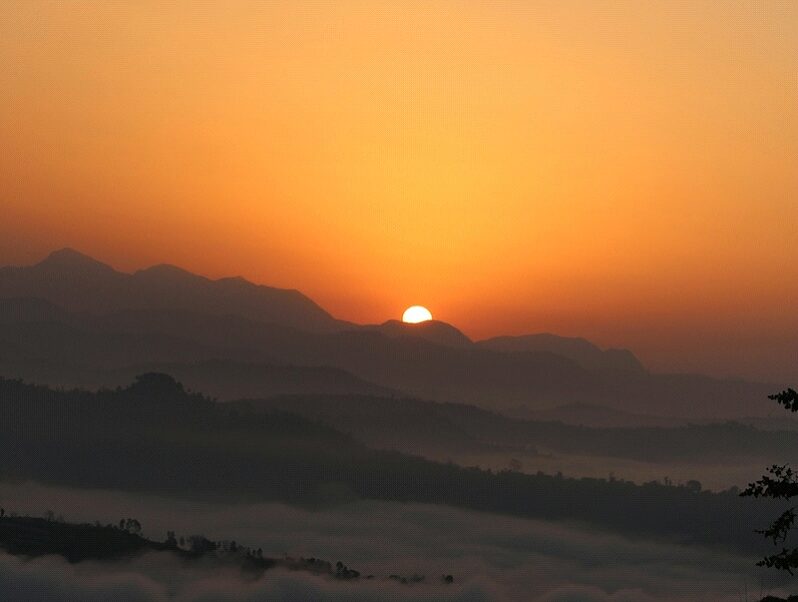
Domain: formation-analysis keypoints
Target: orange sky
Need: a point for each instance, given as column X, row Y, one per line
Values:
column 623, row 171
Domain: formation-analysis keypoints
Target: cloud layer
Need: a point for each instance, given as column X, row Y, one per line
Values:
column 492, row 557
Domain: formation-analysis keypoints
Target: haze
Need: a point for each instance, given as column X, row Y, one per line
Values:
column 622, row 172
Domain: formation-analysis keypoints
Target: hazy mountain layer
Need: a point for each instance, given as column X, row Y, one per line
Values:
column 582, row 351
column 42, row 341
column 79, row 283
column 153, row 436
column 416, row 425
column 71, row 314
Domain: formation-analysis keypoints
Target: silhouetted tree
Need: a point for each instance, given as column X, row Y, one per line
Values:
column 201, row 545
column 156, row 384
column 694, row 486
column 131, row 525
column 780, row 483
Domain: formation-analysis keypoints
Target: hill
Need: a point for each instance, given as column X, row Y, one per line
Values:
column 72, row 315
column 77, row 282
column 413, row 425
column 433, row 331
column 154, row 436
column 582, row 351
column 44, row 343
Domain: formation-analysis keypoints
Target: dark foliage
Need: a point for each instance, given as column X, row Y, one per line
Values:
column 40, row 536
column 780, row 483
column 32, row 537
column 787, row 398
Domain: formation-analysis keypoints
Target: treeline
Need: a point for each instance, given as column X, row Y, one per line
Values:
column 155, row 436
column 76, row 542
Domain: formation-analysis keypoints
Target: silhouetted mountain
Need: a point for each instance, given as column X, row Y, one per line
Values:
column 590, row 415
column 228, row 380
column 403, row 424
column 165, row 315
column 595, row 416
column 520, row 382
column 431, row 330
column 418, row 426
column 154, row 436
column 77, row 282
column 582, row 351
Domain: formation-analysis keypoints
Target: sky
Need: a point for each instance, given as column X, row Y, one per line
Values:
column 625, row 171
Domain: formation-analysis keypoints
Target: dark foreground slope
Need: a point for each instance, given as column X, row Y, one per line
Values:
column 32, row 537
column 153, row 436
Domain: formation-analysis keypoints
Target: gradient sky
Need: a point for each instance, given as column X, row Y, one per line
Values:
column 624, row 171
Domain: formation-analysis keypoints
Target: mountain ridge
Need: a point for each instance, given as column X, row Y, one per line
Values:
column 578, row 349
column 77, row 282
column 113, row 320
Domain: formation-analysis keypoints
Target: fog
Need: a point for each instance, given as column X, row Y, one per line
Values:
column 714, row 475
column 491, row 557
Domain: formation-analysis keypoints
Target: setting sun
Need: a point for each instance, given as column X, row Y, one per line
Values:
column 416, row 314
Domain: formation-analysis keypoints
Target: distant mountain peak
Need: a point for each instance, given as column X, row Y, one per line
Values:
column 69, row 258
column 76, row 282
column 578, row 349
column 434, row 331
column 68, row 255
column 168, row 270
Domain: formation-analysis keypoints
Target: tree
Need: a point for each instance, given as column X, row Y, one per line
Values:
column 694, row 486
column 781, row 482
column 131, row 525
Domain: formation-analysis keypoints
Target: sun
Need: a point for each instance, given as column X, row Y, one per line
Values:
column 415, row 314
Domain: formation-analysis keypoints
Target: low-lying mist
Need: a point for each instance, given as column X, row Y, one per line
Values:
column 713, row 475
column 491, row 557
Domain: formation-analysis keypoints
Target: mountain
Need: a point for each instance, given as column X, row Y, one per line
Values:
column 594, row 416
column 77, row 282
column 580, row 350
column 154, row 436
column 434, row 331
column 520, row 383
column 73, row 313
column 453, row 430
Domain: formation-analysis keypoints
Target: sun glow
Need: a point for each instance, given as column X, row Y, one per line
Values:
column 416, row 314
